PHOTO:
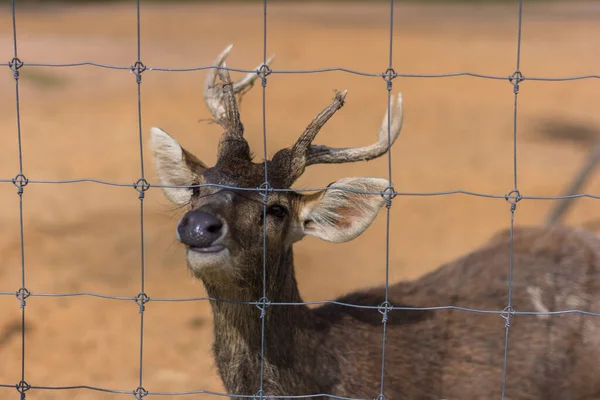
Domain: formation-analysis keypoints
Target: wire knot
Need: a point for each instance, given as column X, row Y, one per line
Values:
column 506, row 313
column 20, row 181
column 137, row 69
column 384, row 308
column 513, row 197
column 388, row 195
column 141, row 300
column 140, row 393
column 516, row 79
column 22, row 387
column 381, row 396
column 389, row 75
column 263, row 303
column 15, row 64
column 260, row 395
column 264, row 190
column 22, row 294
column 141, row 185
column 263, row 71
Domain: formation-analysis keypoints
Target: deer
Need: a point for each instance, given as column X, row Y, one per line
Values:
column 431, row 351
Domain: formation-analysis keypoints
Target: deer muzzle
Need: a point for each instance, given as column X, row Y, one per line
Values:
column 200, row 231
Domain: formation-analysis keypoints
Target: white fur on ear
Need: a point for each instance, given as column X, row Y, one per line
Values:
column 171, row 166
column 339, row 214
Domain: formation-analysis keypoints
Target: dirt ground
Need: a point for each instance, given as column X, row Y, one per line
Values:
column 82, row 122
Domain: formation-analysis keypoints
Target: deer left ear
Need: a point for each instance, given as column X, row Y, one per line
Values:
column 175, row 166
column 343, row 211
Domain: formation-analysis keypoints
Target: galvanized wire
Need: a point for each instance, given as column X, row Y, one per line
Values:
column 318, row 71
column 385, row 307
column 513, row 198
column 142, row 185
column 303, row 303
column 20, row 181
column 314, row 189
column 264, row 302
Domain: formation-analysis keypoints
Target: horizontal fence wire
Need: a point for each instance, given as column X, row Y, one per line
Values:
column 315, row 189
column 317, row 71
column 142, row 185
column 301, row 303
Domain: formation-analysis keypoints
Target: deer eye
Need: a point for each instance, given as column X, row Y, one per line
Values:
column 195, row 191
column 278, row 210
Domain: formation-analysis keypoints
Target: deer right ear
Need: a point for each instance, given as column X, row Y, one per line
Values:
column 174, row 166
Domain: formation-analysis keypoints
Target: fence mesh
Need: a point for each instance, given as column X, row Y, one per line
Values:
column 20, row 181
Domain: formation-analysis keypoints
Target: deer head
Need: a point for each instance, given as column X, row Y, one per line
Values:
column 223, row 227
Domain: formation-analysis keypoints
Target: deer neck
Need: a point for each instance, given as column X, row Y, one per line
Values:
column 239, row 334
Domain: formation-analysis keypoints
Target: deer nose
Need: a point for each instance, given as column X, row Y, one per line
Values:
column 199, row 229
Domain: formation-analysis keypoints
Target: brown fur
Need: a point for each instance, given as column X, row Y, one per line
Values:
column 431, row 354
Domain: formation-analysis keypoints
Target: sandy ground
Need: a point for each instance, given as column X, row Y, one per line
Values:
column 82, row 122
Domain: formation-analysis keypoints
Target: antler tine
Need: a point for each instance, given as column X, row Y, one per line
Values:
column 329, row 155
column 213, row 94
column 304, row 141
column 293, row 159
column 231, row 117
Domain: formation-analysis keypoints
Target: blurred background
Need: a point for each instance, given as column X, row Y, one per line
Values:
column 82, row 122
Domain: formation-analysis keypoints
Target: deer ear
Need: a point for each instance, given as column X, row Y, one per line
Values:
column 340, row 213
column 174, row 166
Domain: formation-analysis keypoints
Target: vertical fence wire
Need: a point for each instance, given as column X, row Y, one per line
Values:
column 263, row 302
column 513, row 198
column 386, row 306
column 141, row 187
column 20, row 181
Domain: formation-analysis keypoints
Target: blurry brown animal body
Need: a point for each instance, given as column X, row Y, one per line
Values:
column 337, row 350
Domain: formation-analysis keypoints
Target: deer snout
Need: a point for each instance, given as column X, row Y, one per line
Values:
column 199, row 230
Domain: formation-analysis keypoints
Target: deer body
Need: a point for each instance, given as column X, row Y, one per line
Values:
column 337, row 350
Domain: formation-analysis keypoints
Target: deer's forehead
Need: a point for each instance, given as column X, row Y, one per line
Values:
column 243, row 175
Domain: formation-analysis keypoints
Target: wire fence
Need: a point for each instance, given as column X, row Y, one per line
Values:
column 138, row 69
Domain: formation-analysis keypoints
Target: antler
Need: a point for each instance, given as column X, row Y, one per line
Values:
column 221, row 102
column 329, row 155
column 213, row 93
column 304, row 153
